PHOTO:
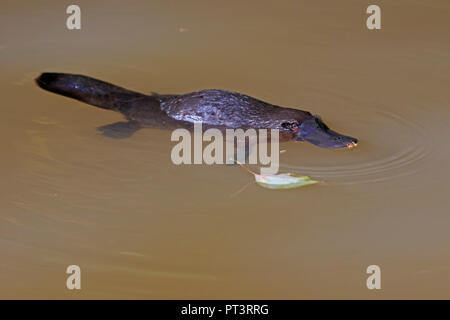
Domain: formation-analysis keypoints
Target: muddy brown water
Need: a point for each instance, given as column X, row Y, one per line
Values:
column 141, row 227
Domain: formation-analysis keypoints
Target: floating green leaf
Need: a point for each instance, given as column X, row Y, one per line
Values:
column 280, row 181
column 283, row 181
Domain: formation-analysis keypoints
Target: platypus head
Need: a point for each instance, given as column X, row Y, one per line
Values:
column 316, row 132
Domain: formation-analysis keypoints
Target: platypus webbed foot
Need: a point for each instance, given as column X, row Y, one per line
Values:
column 120, row 130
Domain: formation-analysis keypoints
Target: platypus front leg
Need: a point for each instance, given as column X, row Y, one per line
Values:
column 120, row 130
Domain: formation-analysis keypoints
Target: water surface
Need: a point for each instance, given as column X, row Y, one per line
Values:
column 141, row 227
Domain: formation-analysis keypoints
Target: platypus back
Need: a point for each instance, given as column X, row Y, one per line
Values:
column 89, row 90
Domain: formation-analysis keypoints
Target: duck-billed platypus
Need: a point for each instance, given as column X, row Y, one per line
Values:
column 214, row 108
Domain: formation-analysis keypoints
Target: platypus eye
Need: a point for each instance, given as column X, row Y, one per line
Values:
column 289, row 125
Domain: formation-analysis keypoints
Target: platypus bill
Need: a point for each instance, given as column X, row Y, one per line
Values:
column 214, row 108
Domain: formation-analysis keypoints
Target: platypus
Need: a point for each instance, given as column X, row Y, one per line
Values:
column 214, row 108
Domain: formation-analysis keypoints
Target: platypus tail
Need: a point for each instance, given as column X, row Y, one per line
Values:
column 89, row 90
